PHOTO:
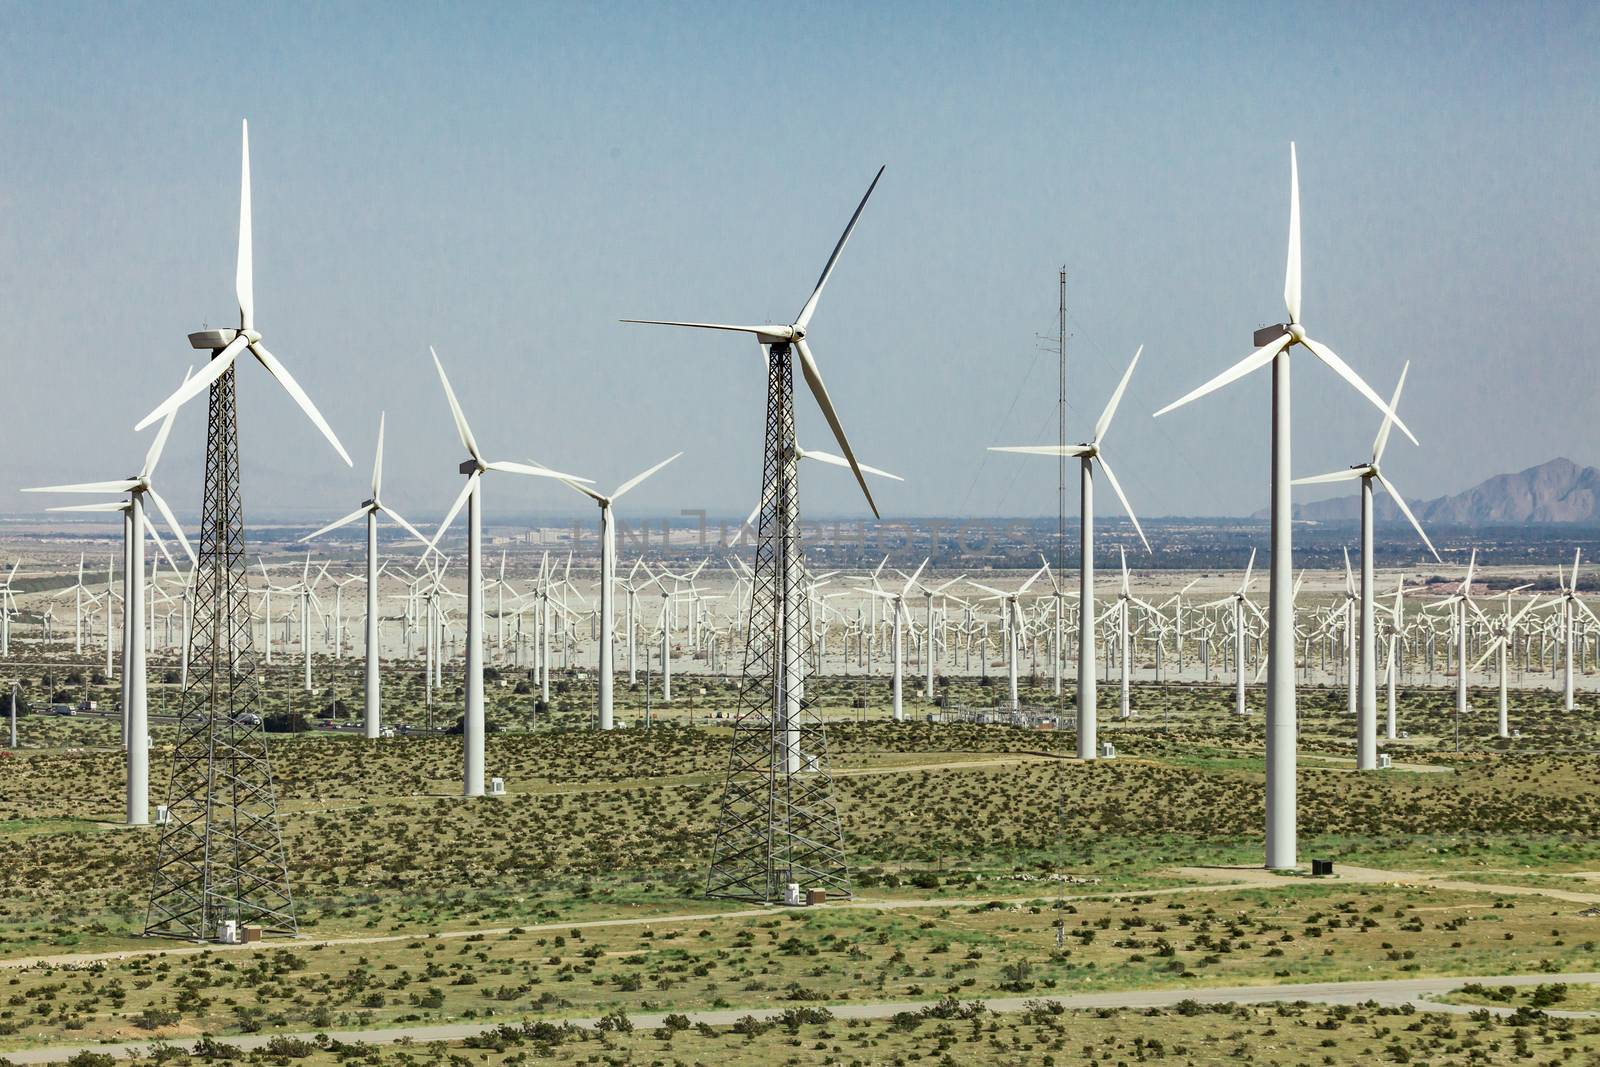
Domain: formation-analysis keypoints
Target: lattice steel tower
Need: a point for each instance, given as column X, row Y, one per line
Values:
column 220, row 855
column 779, row 823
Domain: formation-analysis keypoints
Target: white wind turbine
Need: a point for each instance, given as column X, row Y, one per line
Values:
column 608, row 551
column 1462, row 601
column 1124, row 608
column 1571, row 608
column 1367, row 686
column 1013, row 627
column 928, row 594
column 1088, row 453
column 135, row 709
column 898, row 601
column 370, row 510
column 8, row 607
column 773, row 336
column 230, row 343
column 474, row 467
column 79, row 592
column 1275, row 343
column 1500, row 644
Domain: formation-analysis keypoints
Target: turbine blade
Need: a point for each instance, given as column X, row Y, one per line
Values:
column 209, row 373
column 911, row 582
column 1333, row 476
column 455, row 509
column 398, row 518
column 1400, row 502
column 150, row 528
column 336, row 523
column 244, row 285
column 89, row 487
column 1382, row 440
column 463, row 431
column 637, row 478
column 377, row 460
column 775, row 333
column 172, row 523
column 533, row 471
column 1104, row 421
column 1040, row 573
column 1254, row 361
column 1291, row 273
column 585, row 490
column 1116, row 487
column 1042, row 450
column 292, row 387
column 839, row 461
column 814, row 379
column 1343, row 370
column 106, row 505
column 152, row 457
column 811, row 304
column 749, row 523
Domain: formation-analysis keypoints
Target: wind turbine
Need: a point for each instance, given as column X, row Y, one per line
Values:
column 1123, row 608
column 1369, row 472
column 608, row 551
column 1571, row 607
column 8, row 607
column 928, row 594
column 1088, row 454
column 228, row 344
column 780, row 828
column 1274, row 345
column 1500, row 645
column 1462, row 599
column 135, row 709
column 370, row 509
column 474, row 467
column 898, row 602
column 1013, row 628
column 779, row 340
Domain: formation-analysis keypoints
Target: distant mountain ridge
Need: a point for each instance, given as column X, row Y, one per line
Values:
column 1559, row 491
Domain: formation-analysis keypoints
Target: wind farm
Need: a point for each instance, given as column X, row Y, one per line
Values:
column 519, row 734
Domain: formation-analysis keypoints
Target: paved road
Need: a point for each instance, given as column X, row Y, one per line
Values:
column 1392, row 992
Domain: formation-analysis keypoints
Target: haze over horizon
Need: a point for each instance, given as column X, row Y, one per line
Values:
column 506, row 183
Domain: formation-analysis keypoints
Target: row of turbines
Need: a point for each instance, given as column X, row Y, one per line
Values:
column 1234, row 626
column 550, row 620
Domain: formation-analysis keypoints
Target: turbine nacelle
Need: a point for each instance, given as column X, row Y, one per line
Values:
column 212, row 340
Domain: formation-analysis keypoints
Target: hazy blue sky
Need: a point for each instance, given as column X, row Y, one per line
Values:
column 505, row 182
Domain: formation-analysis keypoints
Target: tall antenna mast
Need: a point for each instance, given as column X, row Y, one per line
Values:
column 1061, row 428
